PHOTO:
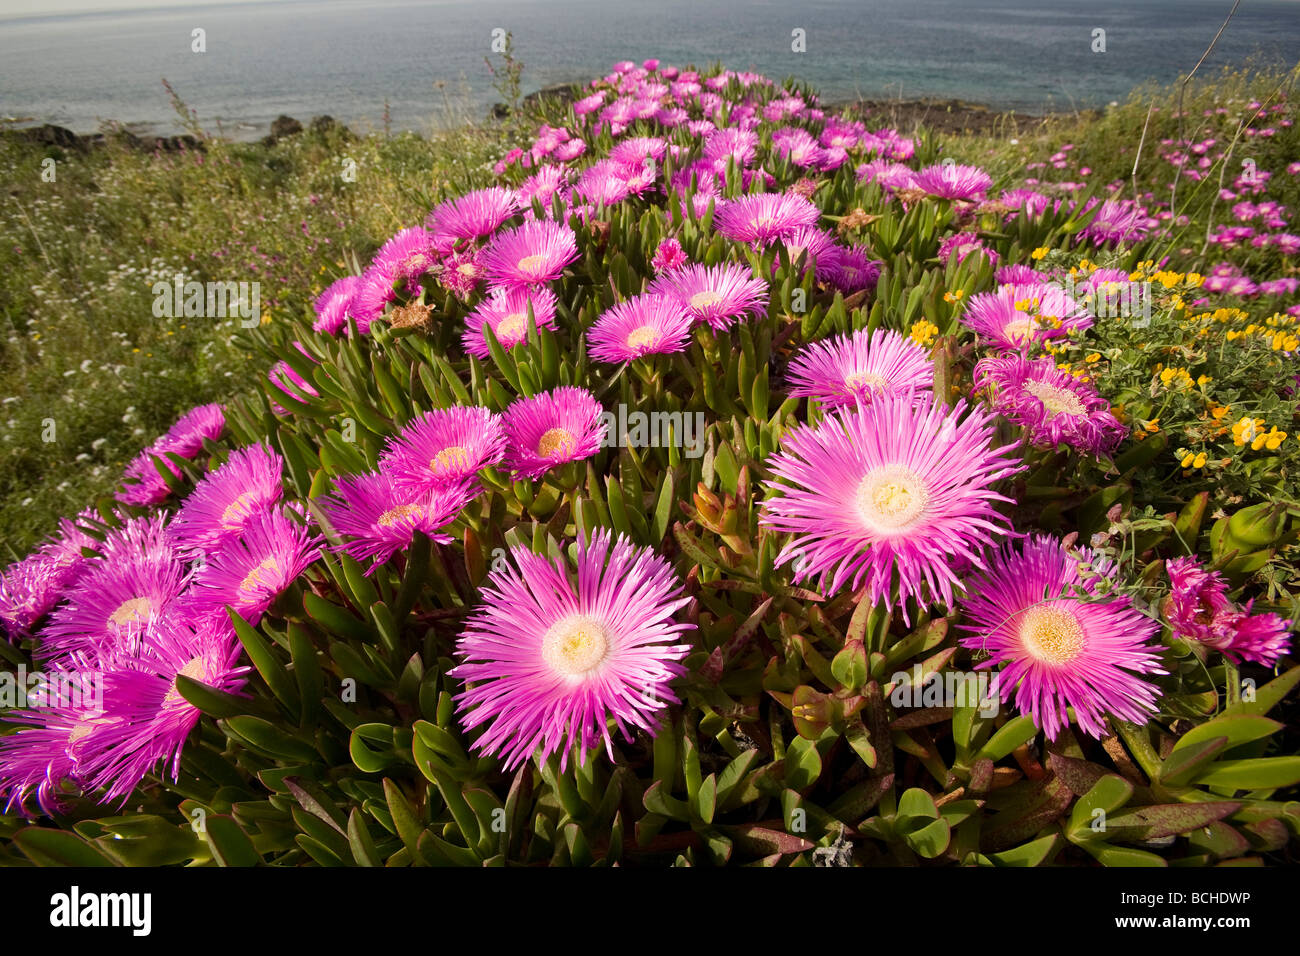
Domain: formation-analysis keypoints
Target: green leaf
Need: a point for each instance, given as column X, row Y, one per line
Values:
column 1108, row 794
column 1012, row 734
column 46, row 847
column 803, row 764
column 273, row 672
column 1260, row 773
column 1034, row 853
column 230, row 845
column 1238, row 729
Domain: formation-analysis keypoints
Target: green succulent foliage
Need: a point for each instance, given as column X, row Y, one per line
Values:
column 787, row 748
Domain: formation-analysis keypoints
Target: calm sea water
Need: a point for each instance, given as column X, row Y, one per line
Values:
column 346, row 57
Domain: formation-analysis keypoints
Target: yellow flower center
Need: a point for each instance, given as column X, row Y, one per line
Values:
column 860, row 380
column 1052, row 634
column 556, row 441
column 194, row 669
column 394, row 515
column 262, row 576
column 512, row 328
column 238, row 511
column 1020, row 330
column 135, row 611
column 644, row 337
column 575, row 646
column 761, row 222
column 892, row 499
column 531, row 264
column 451, row 458
column 1057, row 400
column 705, row 299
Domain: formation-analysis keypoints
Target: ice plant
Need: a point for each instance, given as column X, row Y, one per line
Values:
column 893, row 496
column 1198, row 609
column 642, row 325
column 134, row 583
column 953, row 181
column 250, row 571
column 848, row 369
column 533, row 253
column 473, row 215
column 765, row 217
column 445, row 446
column 377, row 518
column 717, row 295
column 505, row 311
column 1019, row 317
column 246, row 486
column 550, row 660
column 146, row 720
column 199, row 424
column 1037, row 616
column 1053, row 406
column 552, row 428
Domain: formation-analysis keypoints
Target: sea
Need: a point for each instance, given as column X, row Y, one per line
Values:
column 419, row 64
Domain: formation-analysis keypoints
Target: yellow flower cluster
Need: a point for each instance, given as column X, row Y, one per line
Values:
column 1194, row 460
column 1174, row 377
column 924, row 331
column 1250, row 431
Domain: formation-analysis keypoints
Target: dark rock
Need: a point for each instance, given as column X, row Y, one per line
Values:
column 281, row 127
column 500, row 110
column 48, row 135
column 324, row 127
column 285, row 126
column 557, row 93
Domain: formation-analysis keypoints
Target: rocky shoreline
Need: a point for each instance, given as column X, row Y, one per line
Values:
column 941, row 115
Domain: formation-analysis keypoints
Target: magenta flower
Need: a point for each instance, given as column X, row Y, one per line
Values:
column 1020, row 316
column 143, row 485
column 445, row 446
column 848, row 269
column 849, row 369
column 668, row 257
column 186, row 437
column 250, row 571
column 953, row 181
column 643, row 325
column 246, row 486
column 378, row 518
column 890, row 496
column 552, row 428
column 135, row 581
column 718, row 295
column 963, row 245
column 1053, row 406
column 146, row 721
column 506, row 312
column 408, row 255
column 530, row 254
column 30, row 588
column 765, row 217
column 1198, row 609
column 1036, row 613
column 334, row 304
column 472, row 215
column 549, row 663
